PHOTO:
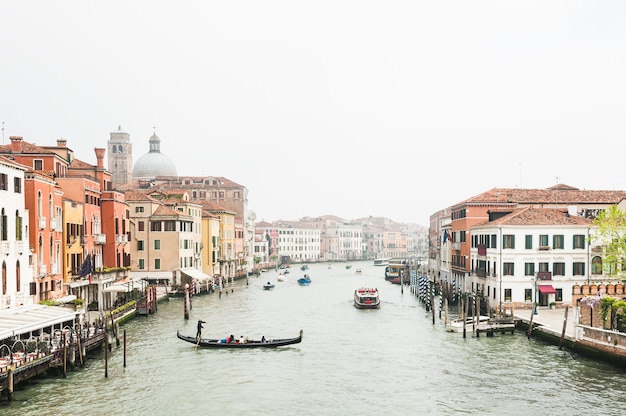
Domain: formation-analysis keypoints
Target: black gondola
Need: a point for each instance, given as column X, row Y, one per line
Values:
column 217, row 343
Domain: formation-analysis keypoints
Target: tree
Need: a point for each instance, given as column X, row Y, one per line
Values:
column 610, row 234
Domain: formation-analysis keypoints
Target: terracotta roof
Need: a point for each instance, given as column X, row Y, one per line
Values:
column 136, row 196
column 79, row 164
column 26, row 148
column 166, row 211
column 539, row 216
column 561, row 194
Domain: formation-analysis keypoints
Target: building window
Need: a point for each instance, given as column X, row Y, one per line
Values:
column 138, row 209
column 529, row 269
column 38, row 164
column 559, row 295
column 155, row 225
column 558, row 241
column 507, row 295
column 4, row 182
column 508, row 269
column 529, row 242
column 558, row 269
column 543, row 240
column 596, row 265
column 140, row 245
column 157, row 244
column 508, row 241
column 141, row 226
column 157, row 264
column 5, row 226
column 579, row 241
column 528, row 295
column 578, row 269
column 141, row 264
column 543, row 267
column 494, row 238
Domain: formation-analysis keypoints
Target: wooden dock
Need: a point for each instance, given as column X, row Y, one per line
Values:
column 497, row 325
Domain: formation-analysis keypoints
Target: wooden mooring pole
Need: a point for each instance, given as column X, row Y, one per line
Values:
column 530, row 324
column 564, row 326
column 124, row 348
column 106, row 354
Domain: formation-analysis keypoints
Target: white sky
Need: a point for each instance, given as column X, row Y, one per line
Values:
column 351, row 108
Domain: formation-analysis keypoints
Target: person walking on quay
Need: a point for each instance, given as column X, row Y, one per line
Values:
column 200, row 326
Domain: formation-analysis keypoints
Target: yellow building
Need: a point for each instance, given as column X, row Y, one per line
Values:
column 227, row 259
column 73, row 248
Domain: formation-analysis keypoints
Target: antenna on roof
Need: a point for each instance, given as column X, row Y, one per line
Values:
column 3, row 132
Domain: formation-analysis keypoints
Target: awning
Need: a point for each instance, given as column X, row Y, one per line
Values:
column 197, row 274
column 119, row 287
column 150, row 275
column 24, row 319
column 547, row 289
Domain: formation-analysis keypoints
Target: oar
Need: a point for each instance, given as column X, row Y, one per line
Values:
column 198, row 343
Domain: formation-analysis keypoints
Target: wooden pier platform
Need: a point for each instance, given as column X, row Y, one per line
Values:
column 494, row 326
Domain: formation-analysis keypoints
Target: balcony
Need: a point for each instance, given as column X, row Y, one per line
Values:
column 99, row 238
column 121, row 239
column 544, row 248
column 43, row 269
column 53, row 224
column 54, row 269
column 42, row 223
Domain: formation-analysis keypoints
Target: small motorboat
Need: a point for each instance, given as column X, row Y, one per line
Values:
column 304, row 267
column 358, row 271
column 281, row 277
column 456, row 325
column 269, row 285
column 305, row 280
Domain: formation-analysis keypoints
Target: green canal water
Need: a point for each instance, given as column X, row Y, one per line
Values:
column 350, row 362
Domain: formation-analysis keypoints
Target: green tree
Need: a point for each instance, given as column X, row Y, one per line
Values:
column 610, row 234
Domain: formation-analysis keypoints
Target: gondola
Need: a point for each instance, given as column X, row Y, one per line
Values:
column 218, row 343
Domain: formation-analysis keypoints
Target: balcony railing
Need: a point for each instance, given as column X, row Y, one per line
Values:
column 100, row 238
column 53, row 224
column 43, row 269
column 121, row 239
column 544, row 248
column 42, row 223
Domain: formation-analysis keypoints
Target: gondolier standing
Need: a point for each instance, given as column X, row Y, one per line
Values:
column 199, row 332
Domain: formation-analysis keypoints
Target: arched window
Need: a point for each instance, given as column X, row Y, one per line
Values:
column 4, row 277
column 39, row 205
column 40, row 251
column 119, row 148
column 596, row 265
column 17, row 276
column 114, row 149
column 18, row 226
column 3, row 225
column 50, row 207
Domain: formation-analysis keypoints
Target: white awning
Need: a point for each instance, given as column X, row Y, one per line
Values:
column 17, row 321
column 196, row 274
column 150, row 275
column 119, row 287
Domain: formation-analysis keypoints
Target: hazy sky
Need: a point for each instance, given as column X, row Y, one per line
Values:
column 352, row 108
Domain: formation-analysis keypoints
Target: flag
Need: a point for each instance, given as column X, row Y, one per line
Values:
column 85, row 268
column 446, row 236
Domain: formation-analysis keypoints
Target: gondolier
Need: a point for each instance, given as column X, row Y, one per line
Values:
column 199, row 331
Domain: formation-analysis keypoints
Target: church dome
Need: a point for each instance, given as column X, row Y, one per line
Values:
column 154, row 163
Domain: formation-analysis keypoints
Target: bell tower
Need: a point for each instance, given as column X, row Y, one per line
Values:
column 120, row 151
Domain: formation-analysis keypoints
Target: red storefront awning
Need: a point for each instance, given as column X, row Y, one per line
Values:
column 547, row 289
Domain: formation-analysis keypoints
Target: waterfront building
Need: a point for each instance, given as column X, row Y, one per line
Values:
column 227, row 260
column 297, row 242
column 43, row 200
column 342, row 241
column 165, row 237
column 261, row 249
column 475, row 210
column 530, row 255
column 210, row 242
column 17, row 285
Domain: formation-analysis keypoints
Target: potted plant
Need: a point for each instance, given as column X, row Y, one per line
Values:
column 552, row 305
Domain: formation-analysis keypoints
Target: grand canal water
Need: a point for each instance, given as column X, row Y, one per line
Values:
column 350, row 362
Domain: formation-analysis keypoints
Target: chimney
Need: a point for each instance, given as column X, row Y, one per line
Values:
column 61, row 143
column 16, row 144
column 100, row 156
